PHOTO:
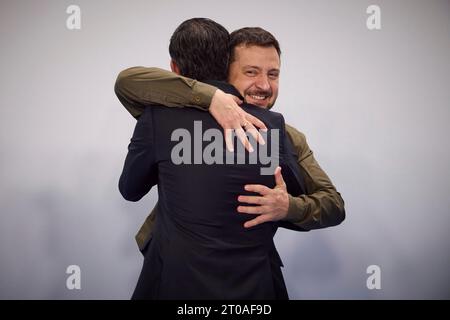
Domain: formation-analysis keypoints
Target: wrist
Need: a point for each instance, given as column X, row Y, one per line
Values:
column 295, row 209
column 215, row 101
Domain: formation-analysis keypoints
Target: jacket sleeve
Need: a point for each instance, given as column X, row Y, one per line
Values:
column 322, row 206
column 139, row 173
column 140, row 87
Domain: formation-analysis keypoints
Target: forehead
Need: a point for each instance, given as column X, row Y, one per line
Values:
column 262, row 57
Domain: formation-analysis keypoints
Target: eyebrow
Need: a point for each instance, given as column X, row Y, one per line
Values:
column 250, row 66
column 256, row 67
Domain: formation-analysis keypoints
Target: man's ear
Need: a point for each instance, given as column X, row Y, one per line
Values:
column 174, row 67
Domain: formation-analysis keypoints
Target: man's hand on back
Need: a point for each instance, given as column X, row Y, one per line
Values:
column 272, row 205
column 225, row 109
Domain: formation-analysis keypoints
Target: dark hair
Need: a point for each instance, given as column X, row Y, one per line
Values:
column 201, row 48
column 252, row 36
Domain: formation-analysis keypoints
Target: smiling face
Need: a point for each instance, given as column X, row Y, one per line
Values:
column 255, row 74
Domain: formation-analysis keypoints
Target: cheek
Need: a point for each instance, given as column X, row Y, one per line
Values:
column 274, row 87
column 246, row 86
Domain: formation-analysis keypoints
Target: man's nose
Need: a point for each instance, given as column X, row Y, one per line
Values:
column 262, row 83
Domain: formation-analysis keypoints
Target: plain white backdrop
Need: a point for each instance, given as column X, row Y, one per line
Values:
column 374, row 106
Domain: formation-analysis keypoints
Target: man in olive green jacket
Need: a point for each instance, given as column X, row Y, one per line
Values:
column 254, row 71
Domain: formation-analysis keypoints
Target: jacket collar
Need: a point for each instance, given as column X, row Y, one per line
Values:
column 225, row 87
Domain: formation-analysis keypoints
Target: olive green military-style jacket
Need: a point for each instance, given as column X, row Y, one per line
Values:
column 322, row 206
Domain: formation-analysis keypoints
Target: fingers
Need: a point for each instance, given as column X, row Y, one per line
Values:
column 250, row 210
column 258, row 188
column 279, row 181
column 252, row 123
column 255, row 121
column 255, row 134
column 252, row 200
column 240, row 133
column 246, row 123
column 229, row 139
column 243, row 138
column 236, row 99
column 225, row 109
column 258, row 220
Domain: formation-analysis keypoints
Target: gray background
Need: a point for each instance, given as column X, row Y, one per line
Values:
column 374, row 106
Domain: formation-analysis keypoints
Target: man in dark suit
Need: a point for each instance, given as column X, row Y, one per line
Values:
column 200, row 248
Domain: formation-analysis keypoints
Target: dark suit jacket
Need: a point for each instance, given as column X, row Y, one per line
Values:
column 200, row 249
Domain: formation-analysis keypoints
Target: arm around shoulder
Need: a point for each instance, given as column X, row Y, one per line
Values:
column 140, row 87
